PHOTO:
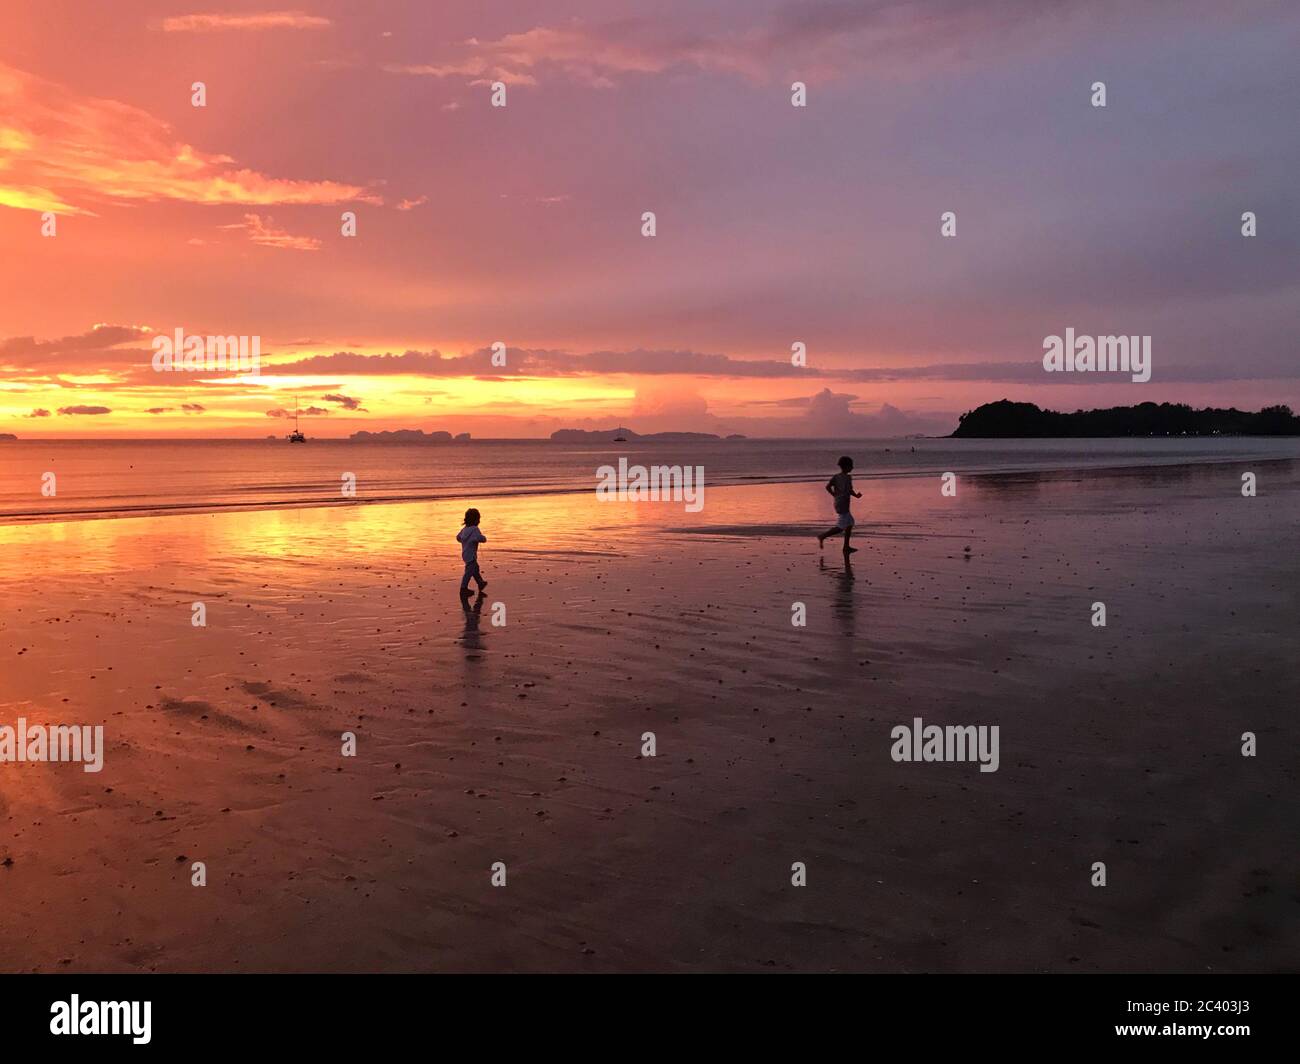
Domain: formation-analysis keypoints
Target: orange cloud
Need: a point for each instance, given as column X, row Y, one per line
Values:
column 306, row 411
column 264, row 20
column 60, row 151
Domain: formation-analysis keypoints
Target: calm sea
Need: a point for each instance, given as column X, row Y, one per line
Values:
column 95, row 479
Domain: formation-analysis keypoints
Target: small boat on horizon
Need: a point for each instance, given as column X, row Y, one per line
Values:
column 296, row 436
column 620, row 438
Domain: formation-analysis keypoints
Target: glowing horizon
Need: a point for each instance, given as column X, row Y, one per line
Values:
column 522, row 224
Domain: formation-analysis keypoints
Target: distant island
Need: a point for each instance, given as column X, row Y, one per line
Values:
column 609, row 435
column 7, row 436
column 407, row 436
column 1007, row 420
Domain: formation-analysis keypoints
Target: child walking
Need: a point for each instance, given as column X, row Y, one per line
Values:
column 469, row 538
column 840, row 487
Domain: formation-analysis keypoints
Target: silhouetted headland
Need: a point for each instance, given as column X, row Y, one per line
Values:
column 1025, row 420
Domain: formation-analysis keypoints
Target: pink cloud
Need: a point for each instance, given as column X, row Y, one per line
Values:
column 822, row 39
column 261, row 231
column 263, row 20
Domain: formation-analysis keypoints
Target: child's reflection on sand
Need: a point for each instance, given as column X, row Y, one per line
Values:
column 844, row 604
column 472, row 638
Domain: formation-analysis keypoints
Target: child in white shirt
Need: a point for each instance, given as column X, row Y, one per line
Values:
column 469, row 538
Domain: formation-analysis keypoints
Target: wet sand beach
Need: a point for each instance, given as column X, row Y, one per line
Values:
column 482, row 742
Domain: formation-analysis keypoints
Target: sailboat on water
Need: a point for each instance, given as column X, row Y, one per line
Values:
column 620, row 438
column 296, row 435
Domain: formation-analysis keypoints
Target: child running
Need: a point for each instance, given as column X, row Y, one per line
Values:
column 840, row 487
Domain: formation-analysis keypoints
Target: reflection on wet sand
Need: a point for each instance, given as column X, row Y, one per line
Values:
column 472, row 639
column 221, row 743
column 844, row 604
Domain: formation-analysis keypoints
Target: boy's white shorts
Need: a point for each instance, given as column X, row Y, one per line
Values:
column 844, row 521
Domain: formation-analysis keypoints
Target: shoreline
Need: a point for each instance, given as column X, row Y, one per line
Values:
column 183, row 509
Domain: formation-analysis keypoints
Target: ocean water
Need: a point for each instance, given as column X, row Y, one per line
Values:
column 120, row 478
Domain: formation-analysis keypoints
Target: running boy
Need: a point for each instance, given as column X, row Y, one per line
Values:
column 840, row 487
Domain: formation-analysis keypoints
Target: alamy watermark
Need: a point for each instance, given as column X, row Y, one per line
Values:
column 102, row 1017
column 53, row 742
column 656, row 483
column 179, row 353
column 956, row 742
column 1098, row 354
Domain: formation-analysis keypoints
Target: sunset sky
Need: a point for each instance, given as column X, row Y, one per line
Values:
column 522, row 224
